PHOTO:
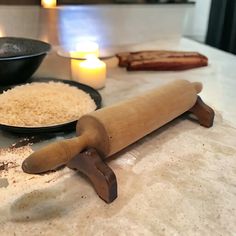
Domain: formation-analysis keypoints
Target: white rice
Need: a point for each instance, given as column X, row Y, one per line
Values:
column 43, row 104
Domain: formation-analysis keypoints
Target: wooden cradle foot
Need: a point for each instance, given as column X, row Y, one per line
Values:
column 99, row 173
column 203, row 112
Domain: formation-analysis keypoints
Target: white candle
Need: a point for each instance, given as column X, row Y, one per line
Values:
column 74, row 69
column 83, row 50
column 92, row 72
column 49, row 3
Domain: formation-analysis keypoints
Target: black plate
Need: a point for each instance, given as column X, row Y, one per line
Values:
column 62, row 127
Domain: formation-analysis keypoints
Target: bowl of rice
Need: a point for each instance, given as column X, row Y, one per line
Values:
column 20, row 58
column 46, row 105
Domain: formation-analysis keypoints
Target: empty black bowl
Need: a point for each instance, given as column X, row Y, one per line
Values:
column 20, row 58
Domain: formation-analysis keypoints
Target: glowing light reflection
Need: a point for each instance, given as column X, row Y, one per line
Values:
column 1, row 32
column 76, row 26
column 49, row 3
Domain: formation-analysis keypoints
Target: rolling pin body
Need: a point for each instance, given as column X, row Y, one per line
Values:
column 113, row 128
column 126, row 122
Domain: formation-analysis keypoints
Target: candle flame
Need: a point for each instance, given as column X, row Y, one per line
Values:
column 1, row 32
column 83, row 49
column 49, row 3
column 91, row 57
column 92, row 62
column 86, row 46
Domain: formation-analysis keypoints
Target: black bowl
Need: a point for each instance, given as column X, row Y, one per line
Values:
column 20, row 58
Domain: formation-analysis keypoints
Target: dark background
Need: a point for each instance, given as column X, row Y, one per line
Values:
column 222, row 25
column 37, row 2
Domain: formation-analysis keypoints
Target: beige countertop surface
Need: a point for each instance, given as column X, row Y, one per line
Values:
column 179, row 180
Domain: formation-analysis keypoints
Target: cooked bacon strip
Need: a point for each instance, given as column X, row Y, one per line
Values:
column 174, row 63
column 161, row 60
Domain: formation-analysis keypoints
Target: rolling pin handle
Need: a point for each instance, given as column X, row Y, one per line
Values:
column 203, row 112
column 54, row 155
column 91, row 164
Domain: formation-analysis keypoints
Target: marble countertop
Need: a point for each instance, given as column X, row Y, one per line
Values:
column 179, row 180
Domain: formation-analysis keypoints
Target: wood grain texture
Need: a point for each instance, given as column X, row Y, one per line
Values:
column 98, row 172
column 113, row 128
column 203, row 112
column 103, row 178
column 126, row 122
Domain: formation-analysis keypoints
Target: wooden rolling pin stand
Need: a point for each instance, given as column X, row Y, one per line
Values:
column 93, row 165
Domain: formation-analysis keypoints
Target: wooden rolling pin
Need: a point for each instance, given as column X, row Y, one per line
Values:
column 113, row 128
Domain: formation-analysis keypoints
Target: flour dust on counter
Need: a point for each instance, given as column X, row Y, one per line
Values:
column 179, row 180
column 14, row 182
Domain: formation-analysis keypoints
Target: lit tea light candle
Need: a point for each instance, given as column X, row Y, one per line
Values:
column 49, row 3
column 83, row 50
column 92, row 72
